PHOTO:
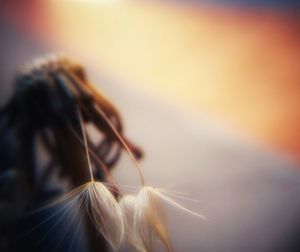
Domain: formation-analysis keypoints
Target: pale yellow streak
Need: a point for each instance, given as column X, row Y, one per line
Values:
column 242, row 66
column 93, row 1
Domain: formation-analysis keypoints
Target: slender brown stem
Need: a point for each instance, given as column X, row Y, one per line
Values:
column 101, row 163
column 85, row 143
column 123, row 143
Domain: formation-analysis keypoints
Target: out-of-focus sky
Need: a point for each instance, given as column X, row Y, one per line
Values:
column 240, row 65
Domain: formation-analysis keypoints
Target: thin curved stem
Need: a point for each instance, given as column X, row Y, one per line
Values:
column 85, row 143
column 75, row 79
column 94, row 155
column 123, row 143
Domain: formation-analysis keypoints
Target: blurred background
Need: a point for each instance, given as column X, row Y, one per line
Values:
column 209, row 89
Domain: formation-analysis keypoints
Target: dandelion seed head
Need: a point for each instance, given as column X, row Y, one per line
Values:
column 104, row 211
column 149, row 219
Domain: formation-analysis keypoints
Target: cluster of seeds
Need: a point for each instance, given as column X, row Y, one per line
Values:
column 139, row 219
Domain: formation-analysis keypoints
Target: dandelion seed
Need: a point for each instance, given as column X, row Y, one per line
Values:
column 149, row 216
column 149, row 219
column 95, row 199
column 104, row 211
column 127, row 204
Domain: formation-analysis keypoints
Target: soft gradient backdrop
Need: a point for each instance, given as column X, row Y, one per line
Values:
column 209, row 89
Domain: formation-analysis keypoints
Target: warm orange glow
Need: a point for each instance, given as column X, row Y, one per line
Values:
column 239, row 65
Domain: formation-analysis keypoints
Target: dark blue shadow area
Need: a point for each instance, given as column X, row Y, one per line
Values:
column 50, row 230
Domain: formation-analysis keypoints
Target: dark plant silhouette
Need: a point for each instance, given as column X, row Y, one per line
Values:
column 41, row 117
